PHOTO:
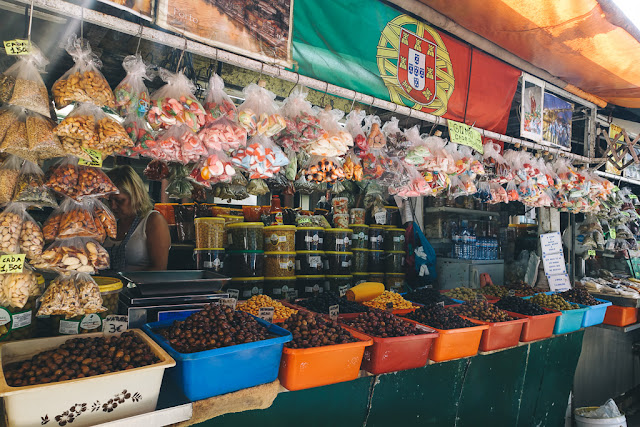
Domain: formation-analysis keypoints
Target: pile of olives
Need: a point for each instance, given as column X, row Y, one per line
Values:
column 482, row 310
column 494, row 291
column 579, row 296
column 381, row 324
column 464, row 294
column 428, row 296
column 321, row 303
column 439, row 317
column 521, row 289
column 312, row 330
column 213, row 327
column 555, row 302
column 521, row 306
column 80, row 358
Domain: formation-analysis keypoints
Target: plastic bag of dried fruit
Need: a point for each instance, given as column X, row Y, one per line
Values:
column 216, row 102
column 22, row 85
column 258, row 113
column 61, row 298
column 77, row 221
column 15, row 140
column 175, row 103
column 132, row 96
column 9, row 172
column 103, row 214
column 83, row 82
column 77, row 254
column 30, row 187
column 16, row 288
column 89, row 295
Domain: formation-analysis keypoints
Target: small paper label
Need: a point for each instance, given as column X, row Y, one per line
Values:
column 20, row 320
column 229, row 302
column 346, row 264
column 17, row 47
column 334, row 310
column 591, row 252
column 96, row 158
column 91, row 321
column 512, row 293
column 68, row 327
column 233, row 293
column 230, row 238
column 612, row 234
column 342, row 290
column 5, row 316
column 315, row 261
column 429, row 286
column 11, row 263
column 380, row 217
column 266, row 313
column 282, row 239
column 115, row 324
column 440, row 303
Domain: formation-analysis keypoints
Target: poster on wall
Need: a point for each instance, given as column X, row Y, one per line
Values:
column 556, row 123
column 142, row 8
column 258, row 29
column 531, row 117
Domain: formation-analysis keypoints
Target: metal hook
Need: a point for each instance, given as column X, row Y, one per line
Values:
column 355, row 94
column 294, row 85
column 261, row 70
column 182, row 53
column 30, row 22
column 325, row 92
column 139, row 38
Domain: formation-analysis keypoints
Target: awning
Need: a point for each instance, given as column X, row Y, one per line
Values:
column 574, row 40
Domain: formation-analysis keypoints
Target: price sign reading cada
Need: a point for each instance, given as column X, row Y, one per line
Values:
column 96, row 158
column 11, row 263
column 17, row 47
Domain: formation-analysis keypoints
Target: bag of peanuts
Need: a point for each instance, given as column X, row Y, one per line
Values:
column 83, row 82
column 40, row 137
column 175, row 103
column 78, row 254
column 8, row 116
column 21, row 84
column 132, row 96
column 30, row 188
column 9, row 172
column 15, row 140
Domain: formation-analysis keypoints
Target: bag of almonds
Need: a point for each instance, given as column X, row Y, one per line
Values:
column 83, row 82
column 22, row 85
column 77, row 221
column 30, row 188
column 106, row 218
column 9, row 172
column 16, row 288
column 78, row 182
column 73, row 255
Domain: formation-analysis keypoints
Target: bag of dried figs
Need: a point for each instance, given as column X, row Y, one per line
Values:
column 83, row 82
column 61, row 298
column 9, row 172
column 30, row 187
column 28, row 89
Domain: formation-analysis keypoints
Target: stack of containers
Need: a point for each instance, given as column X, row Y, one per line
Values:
column 359, row 245
column 337, row 247
column 394, row 248
column 376, row 264
column 280, row 261
column 245, row 258
column 310, row 257
column 209, row 252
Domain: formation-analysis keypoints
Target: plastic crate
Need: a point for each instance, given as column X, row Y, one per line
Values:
column 398, row 353
column 538, row 327
column 222, row 370
column 595, row 313
column 621, row 316
column 456, row 343
column 500, row 335
column 570, row 321
column 314, row 367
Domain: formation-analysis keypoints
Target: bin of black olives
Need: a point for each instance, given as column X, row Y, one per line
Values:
column 244, row 263
column 245, row 236
column 309, row 263
column 338, row 284
column 338, row 262
column 359, row 236
column 337, row 239
column 394, row 262
column 393, row 239
column 280, row 287
column 376, row 238
column 394, row 282
column 308, row 286
column 309, row 238
column 360, row 260
column 376, row 262
column 247, row 286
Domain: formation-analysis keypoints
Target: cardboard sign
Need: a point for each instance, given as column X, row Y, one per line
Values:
column 266, row 314
column 440, row 303
column 551, row 243
column 17, row 47
column 591, row 252
column 465, row 135
column 229, row 302
column 334, row 310
column 559, row 282
column 233, row 293
column 11, row 263
column 115, row 324
column 96, row 158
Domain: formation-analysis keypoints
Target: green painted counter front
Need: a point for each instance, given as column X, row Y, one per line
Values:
column 523, row 386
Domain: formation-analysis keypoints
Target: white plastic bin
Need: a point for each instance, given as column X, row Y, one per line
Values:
column 88, row 401
column 602, row 422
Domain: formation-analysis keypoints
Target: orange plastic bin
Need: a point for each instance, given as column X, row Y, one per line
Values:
column 314, row 367
column 456, row 343
column 620, row 316
column 538, row 327
column 501, row 334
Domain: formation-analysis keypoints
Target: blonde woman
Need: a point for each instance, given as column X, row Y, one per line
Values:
column 143, row 239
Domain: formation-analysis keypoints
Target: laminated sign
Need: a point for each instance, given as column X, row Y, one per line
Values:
column 553, row 261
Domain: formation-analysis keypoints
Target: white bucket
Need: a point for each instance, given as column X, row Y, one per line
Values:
column 588, row 422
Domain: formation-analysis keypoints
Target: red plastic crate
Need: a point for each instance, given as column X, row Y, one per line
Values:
column 620, row 316
column 501, row 334
column 538, row 327
column 398, row 353
column 456, row 343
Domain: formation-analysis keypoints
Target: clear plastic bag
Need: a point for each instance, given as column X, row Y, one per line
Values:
column 83, row 82
column 257, row 187
column 216, row 102
column 352, row 167
column 93, row 182
column 105, row 217
column 258, row 113
column 512, row 192
column 60, row 298
column 375, row 164
column 484, row 192
column 78, row 130
column 230, row 191
column 410, row 183
column 397, row 141
column 16, row 288
column 456, row 188
column 31, row 237
column 16, row 141
column 9, row 173
column 82, row 255
column 261, row 158
column 179, row 186
column 89, row 297
column 305, row 187
column 168, row 145
column 324, row 169
column 217, row 167
column 156, row 170
column 131, row 94
column 77, row 221
column 28, row 89
column 373, row 128
column 354, row 127
column 223, row 134
column 30, row 187
column 8, row 116
column 335, row 141
column 41, row 140
column 303, row 127
column 139, row 132
column 10, row 228
column 175, row 103
column 78, row 182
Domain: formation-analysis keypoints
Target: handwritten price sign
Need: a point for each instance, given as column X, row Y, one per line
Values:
column 17, row 47
column 96, row 158
column 11, row 263
column 115, row 324
column 465, row 135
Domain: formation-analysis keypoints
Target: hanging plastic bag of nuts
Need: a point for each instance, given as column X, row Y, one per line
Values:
column 8, row 115
column 30, row 187
column 16, row 288
column 28, row 89
column 9, row 172
column 10, row 227
column 83, row 82
column 40, row 137
column 77, row 221
column 64, row 177
column 31, row 237
column 132, row 96
column 93, row 182
column 60, row 298
column 77, row 254
column 106, row 218
column 89, row 297
column 15, row 141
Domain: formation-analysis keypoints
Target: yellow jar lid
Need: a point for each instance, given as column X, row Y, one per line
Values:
column 337, row 253
column 280, row 278
column 340, row 276
column 396, row 229
column 208, row 249
column 40, row 279
column 310, row 252
column 375, row 250
column 246, row 279
column 376, row 227
column 209, row 219
column 309, row 228
column 337, row 230
column 395, row 274
column 281, row 227
column 231, row 217
column 107, row 284
column 360, row 274
column 395, row 252
column 245, row 225
column 358, row 225
column 310, row 277
column 359, row 250
column 276, row 253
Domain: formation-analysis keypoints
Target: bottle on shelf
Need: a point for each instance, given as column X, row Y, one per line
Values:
column 275, row 213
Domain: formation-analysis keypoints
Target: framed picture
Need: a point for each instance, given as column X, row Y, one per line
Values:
column 531, row 111
column 141, row 8
column 556, row 122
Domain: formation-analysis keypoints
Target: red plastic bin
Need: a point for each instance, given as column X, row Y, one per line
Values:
column 398, row 353
column 314, row 367
column 620, row 316
column 456, row 343
column 538, row 327
column 500, row 334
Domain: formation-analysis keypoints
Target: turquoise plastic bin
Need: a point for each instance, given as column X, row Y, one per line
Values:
column 595, row 313
column 570, row 321
column 223, row 370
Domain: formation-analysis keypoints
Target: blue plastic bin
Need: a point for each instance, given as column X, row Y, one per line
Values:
column 595, row 313
column 570, row 321
column 224, row 370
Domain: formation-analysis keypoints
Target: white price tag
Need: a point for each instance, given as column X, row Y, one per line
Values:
column 266, row 313
column 441, row 303
column 229, row 302
column 343, row 290
column 20, row 320
column 233, row 293
column 334, row 310
column 69, row 327
column 512, row 293
column 381, row 217
column 115, row 324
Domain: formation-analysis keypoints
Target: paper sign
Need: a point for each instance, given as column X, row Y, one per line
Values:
column 551, row 243
column 96, row 158
column 11, row 263
column 440, row 303
column 559, row 282
column 229, row 302
column 233, row 293
column 17, row 47
column 465, row 135
column 613, row 233
column 512, row 293
column 554, row 264
column 591, row 252
column 614, row 130
column 334, row 310
column 532, row 269
column 266, row 313
column 115, row 324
